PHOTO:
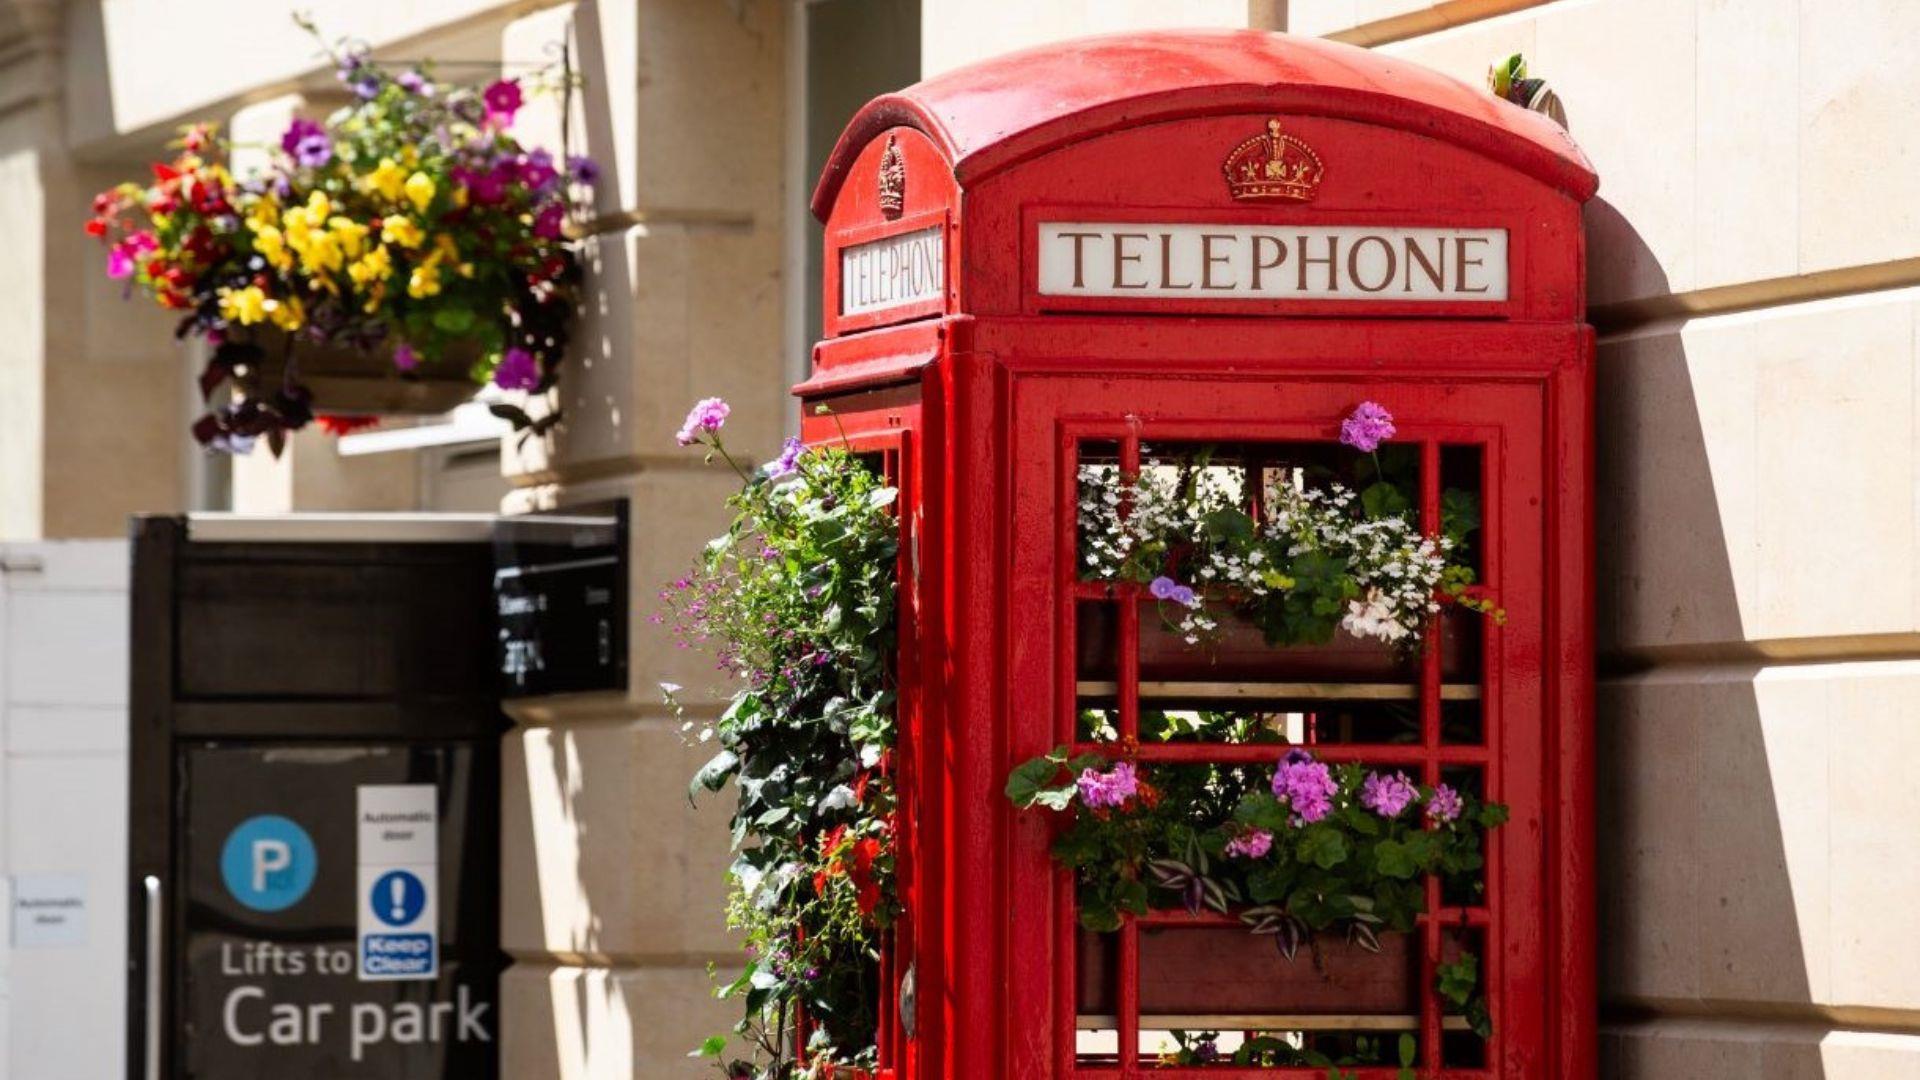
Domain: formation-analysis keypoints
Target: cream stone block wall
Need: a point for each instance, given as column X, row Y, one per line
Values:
column 1756, row 520
column 586, row 1023
column 1759, row 479
column 953, row 33
column 1737, row 140
column 614, row 890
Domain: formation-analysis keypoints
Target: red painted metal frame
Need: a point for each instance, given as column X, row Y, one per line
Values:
column 993, row 392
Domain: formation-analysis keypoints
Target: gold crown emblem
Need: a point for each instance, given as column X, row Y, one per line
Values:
column 893, row 180
column 1273, row 166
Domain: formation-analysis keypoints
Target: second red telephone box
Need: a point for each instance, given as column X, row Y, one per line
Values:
column 1237, row 387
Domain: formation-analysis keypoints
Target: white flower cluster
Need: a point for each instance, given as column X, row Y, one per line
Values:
column 1127, row 531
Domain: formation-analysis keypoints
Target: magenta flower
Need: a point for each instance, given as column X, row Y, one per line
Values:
column 517, row 371
column 1112, row 788
column 405, row 358
column 1445, row 805
column 1253, row 844
column 537, row 171
column 1367, row 427
column 547, row 224
column 124, row 257
column 503, row 100
column 306, row 142
column 1387, row 795
column 785, row 464
column 706, row 417
column 1306, row 786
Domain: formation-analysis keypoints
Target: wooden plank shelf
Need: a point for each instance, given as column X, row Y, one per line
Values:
column 1288, row 691
column 1301, row 1022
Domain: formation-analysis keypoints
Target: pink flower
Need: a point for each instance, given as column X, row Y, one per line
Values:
column 706, row 417
column 1445, row 804
column 1106, row 789
column 124, row 257
column 1387, row 795
column 547, row 223
column 503, row 100
column 1306, row 786
column 517, row 371
column 1367, row 427
column 1253, row 844
column 405, row 358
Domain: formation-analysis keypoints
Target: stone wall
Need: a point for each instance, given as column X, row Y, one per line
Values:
column 1757, row 219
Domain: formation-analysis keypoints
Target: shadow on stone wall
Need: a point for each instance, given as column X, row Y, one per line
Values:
column 1697, row 913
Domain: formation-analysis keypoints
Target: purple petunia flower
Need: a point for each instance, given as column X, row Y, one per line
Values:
column 307, row 143
column 1387, row 795
column 1306, row 786
column 1445, row 805
column 1162, row 587
column 1369, row 425
column 784, row 465
column 1105, row 789
column 583, row 169
column 517, row 371
column 405, row 358
column 1184, row 596
column 1253, row 844
column 706, row 416
column 537, row 171
column 413, row 82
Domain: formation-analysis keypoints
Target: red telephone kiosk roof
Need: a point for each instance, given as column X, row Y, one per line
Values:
column 993, row 114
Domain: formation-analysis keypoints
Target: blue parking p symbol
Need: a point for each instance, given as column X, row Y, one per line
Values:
column 268, row 863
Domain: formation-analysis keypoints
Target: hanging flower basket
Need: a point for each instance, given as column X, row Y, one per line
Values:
column 410, row 245
column 1217, row 971
column 353, row 381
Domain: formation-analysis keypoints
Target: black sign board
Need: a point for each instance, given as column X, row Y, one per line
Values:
column 314, row 801
column 560, row 600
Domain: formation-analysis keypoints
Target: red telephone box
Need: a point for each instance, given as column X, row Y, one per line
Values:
column 1172, row 254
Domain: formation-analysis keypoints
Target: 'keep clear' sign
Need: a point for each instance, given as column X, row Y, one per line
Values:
column 399, row 864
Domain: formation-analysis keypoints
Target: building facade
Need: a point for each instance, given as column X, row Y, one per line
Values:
column 1754, row 268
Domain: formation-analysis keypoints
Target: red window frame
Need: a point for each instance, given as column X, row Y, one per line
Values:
column 1508, row 421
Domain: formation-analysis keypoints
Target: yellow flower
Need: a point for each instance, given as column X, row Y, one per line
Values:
column 244, row 306
column 319, row 207
column 271, row 245
column 376, row 266
column 288, row 314
column 350, row 234
column 401, row 230
column 425, row 281
column 264, row 214
column 388, row 179
column 374, row 298
column 420, row 189
column 320, row 253
column 410, row 155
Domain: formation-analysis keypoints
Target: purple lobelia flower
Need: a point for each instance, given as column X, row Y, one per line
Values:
column 1306, row 786
column 1445, row 805
column 706, row 417
column 413, row 82
column 1369, row 425
column 1387, row 795
column 517, row 371
column 584, row 170
column 405, row 358
column 1114, row 787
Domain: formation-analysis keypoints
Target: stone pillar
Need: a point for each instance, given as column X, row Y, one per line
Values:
column 1753, row 274
column 957, row 32
column 91, row 396
column 613, row 904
